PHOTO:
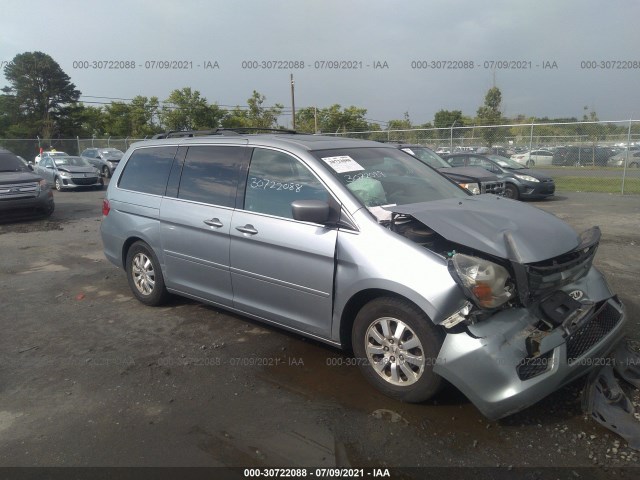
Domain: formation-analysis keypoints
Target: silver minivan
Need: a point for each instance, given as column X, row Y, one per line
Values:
column 362, row 246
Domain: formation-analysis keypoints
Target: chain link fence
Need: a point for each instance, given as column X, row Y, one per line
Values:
column 30, row 148
column 581, row 156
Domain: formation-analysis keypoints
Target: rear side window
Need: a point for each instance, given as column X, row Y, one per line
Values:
column 147, row 170
column 211, row 174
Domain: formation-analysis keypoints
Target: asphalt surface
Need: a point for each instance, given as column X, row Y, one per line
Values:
column 91, row 377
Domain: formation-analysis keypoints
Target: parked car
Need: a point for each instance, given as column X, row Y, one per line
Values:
column 499, row 151
column 533, row 158
column 519, row 182
column 359, row 245
column 22, row 193
column 69, row 173
column 632, row 159
column 476, row 180
column 53, row 153
column 104, row 159
column 580, row 156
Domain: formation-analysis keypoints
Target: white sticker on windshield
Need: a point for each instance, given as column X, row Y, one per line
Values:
column 342, row 164
column 409, row 151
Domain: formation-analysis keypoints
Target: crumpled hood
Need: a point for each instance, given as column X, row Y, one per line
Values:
column 481, row 222
column 74, row 169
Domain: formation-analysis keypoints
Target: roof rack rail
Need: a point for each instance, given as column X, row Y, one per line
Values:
column 218, row 131
column 187, row 133
column 258, row 129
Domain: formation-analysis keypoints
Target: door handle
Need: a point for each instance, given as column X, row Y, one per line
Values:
column 214, row 222
column 248, row 228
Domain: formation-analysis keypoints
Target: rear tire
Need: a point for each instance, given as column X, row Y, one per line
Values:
column 511, row 191
column 144, row 275
column 396, row 346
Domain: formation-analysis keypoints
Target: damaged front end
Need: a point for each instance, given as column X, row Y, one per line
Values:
column 530, row 323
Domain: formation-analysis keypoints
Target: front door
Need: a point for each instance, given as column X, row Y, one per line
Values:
column 282, row 269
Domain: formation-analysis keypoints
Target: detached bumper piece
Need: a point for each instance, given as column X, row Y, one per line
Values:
column 607, row 403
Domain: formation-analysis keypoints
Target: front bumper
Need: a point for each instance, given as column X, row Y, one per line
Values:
column 537, row 189
column 82, row 181
column 22, row 206
column 490, row 363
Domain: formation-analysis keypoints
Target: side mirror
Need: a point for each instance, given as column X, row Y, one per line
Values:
column 314, row 211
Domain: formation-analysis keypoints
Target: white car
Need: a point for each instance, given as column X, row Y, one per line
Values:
column 533, row 158
column 53, row 153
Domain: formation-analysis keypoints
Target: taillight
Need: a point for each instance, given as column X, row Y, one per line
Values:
column 105, row 207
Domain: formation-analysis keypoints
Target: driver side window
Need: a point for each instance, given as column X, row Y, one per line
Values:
column 276, row 180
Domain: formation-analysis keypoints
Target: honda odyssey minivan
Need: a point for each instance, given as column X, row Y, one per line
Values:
column 362, row 246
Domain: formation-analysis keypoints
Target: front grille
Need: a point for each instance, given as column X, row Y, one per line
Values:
column 496, row 188
column 533, row 366
column 85, row 181
column 18, row 190
column 560, row 271
column 595, row 329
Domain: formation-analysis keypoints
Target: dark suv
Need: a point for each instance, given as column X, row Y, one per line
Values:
column 475, row 179
column 22, row 192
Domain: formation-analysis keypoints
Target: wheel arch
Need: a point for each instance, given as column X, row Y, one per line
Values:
column 355, row 304
column 127, row 245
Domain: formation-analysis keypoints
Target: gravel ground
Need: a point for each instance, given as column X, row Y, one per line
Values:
column 91, row 377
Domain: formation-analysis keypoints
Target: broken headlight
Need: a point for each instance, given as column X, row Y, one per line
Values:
column 484, row 282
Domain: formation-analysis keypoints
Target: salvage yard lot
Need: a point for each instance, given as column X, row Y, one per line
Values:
column 91, row 377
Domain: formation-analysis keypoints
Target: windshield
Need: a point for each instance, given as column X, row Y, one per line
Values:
column 11, row 163
column 71, row 161
column 387, row 176
column 111, row 154
column 427, row 156
column 505, row 162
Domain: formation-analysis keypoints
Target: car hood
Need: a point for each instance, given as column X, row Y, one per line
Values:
column 18, row 177
column 468, row 174
column 496, row 226
column 72, row 169
column 528, row 171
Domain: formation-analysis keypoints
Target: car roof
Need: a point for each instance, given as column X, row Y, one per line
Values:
column 288, row 140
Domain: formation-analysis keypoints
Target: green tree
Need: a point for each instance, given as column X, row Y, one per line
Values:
column 40, row 94
column 185, row 109
column 490, row 114
column 255, row 116
column 448, row 118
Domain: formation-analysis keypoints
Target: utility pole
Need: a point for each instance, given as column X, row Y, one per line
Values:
column 293, row 101
column 315, row 119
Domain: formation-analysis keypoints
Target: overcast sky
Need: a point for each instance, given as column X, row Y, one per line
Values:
column 364, row 32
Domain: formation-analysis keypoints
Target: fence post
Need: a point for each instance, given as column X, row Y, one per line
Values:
column 451, row 136
column 530, row 141
column 126, row 143
column 626, row 160
column 109, row 141
column 78, row 142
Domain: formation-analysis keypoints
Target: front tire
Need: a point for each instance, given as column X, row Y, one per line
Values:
column 397, row 345
column 144, row 275
column 58, row 184
column 106, row 173
column 511, row 191
column 531, row 163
